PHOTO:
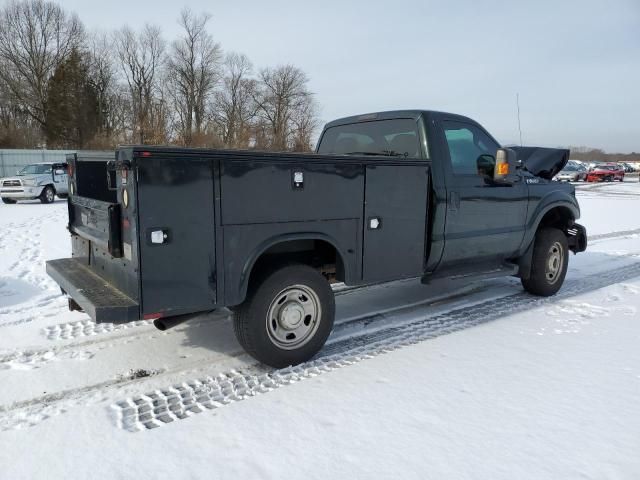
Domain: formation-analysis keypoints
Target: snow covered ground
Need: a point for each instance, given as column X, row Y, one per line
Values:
column 441, row 381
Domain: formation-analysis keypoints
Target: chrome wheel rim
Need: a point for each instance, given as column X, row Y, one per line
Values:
column 49, row 195
column 555, row 261
column 293, row 317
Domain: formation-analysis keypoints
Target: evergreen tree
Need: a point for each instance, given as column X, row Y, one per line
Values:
column 72, row 111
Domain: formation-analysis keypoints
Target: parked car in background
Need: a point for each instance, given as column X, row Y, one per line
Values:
column 38, row 180
column 572, row 172
column 606, row 173
column 628, row 168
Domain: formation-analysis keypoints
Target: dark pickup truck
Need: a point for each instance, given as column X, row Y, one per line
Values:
column 166, row 233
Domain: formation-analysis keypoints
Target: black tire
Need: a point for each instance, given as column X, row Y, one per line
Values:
column 63, row 196
column 48, row 195
column 545, row 280
column 258, row 334
column 8, row 201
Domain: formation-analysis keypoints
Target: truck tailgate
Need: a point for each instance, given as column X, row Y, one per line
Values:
column 98, row 298
column 98, row 222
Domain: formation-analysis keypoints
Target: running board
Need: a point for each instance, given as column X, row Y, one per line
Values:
column 483, row 272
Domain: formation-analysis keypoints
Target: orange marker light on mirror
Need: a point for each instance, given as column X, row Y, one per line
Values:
column 503, row 168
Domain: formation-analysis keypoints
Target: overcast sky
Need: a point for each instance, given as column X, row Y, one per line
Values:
column 575, row 64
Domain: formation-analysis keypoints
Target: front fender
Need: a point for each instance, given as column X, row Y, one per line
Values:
column 556, row 199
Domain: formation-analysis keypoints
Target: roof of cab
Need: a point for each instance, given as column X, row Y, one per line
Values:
column 388, row 115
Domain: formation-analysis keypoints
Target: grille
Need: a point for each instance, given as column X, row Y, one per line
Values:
column 11, row 183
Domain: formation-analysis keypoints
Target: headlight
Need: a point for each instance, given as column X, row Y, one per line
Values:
column 29, row 182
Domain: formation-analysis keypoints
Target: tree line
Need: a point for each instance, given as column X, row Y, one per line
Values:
column 62, row 86
column 588, row 154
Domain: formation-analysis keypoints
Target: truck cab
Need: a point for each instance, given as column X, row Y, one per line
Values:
column 41, row 181
column 167, row 233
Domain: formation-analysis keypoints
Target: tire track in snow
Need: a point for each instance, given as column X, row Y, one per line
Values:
column 179, row 401
column 35, row 358
column 88, row 328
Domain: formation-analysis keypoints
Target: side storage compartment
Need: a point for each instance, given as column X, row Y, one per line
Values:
column 175, row 202
column 395, row 223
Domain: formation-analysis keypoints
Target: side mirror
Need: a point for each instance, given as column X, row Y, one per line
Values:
column 60, row 172
column 506, row 165
column 486, row 164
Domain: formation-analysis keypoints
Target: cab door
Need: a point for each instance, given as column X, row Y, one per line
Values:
column 485, row 221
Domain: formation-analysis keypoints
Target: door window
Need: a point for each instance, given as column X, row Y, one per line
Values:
column 472, row 151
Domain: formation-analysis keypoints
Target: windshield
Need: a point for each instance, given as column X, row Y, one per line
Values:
column 35, row 169
column 393, row 138
column 570, row 168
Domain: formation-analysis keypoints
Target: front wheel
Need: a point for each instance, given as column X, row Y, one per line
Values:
column 48, row 195
column 549, row 263
column 8, row 201
column 287, row 316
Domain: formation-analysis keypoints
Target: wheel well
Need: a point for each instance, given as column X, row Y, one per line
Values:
column 558, row 217
column 318, row 254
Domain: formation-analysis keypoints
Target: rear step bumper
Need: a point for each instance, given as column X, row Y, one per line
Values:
column 97, row 297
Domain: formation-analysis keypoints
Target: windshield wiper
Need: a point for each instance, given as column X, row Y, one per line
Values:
column 384, row 153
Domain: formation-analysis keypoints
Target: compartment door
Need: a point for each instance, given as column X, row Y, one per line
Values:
column 177, row 243
column 395, row 217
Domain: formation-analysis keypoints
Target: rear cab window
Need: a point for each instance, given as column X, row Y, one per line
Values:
column 390, row 138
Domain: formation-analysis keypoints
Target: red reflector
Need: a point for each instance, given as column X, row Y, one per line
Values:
column 70, row 169
column 152, row 316
column 145, row 154
column 125, row 223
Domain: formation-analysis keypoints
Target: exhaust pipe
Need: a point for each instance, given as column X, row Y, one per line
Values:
column 166, row 323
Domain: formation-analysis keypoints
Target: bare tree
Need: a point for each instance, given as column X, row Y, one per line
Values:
column 113, row 104
column 35, row 38
column 282, row 91
column 140, row 57
column 304, row 123
column 17, row 129
column 193, row 71
column 234, row 105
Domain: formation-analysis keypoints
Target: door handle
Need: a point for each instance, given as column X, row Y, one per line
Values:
column 454, row 201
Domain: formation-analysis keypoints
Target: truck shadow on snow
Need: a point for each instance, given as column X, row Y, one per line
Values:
column 366, row 314
column 14, row 291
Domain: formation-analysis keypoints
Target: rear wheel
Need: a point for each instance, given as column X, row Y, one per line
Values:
column 287, row 316
column 8, row 201
column 549, row 263
column 48, row 195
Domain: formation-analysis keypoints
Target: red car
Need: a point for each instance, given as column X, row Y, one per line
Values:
column 606, row 173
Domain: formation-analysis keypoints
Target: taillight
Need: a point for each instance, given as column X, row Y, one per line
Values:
column 70, row 169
